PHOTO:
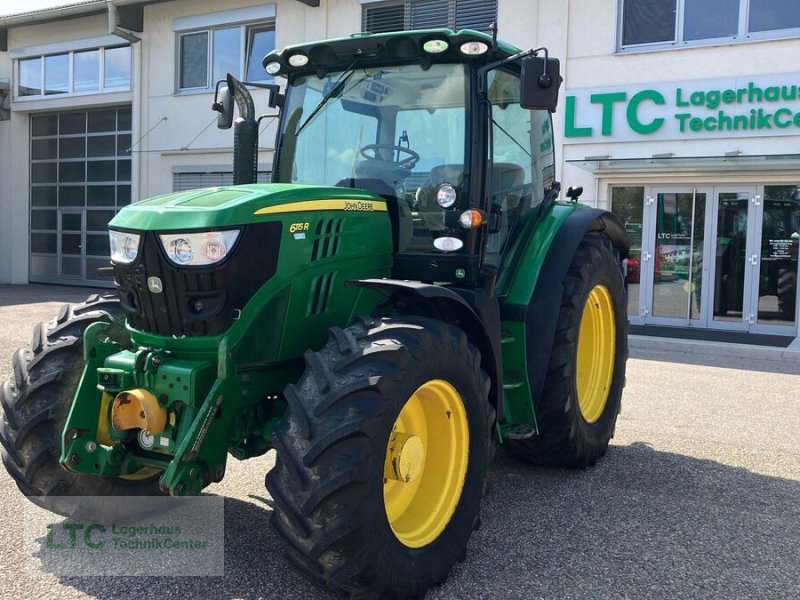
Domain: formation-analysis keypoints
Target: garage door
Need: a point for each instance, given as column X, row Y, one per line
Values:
column 80, row 177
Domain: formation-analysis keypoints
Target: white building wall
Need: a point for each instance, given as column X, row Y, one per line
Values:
column 15, row 149
column 592, row 61
column 6, row 193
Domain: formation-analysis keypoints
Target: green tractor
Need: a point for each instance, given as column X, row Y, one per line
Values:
column 404, row 295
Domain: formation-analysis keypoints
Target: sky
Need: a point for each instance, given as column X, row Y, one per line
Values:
column 12, row 7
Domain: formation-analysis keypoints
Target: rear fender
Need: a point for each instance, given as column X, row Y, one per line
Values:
column 539, row 315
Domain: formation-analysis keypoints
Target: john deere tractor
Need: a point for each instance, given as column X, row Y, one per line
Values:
column 405, row 294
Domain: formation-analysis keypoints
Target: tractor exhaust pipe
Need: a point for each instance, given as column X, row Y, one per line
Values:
column 245, row 134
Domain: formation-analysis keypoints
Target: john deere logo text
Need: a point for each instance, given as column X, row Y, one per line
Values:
column 363, row 206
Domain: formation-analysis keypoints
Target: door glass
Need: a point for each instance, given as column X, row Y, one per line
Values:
column 780, row 238
column 628, row 204
column 677, row 278
column 731, row 256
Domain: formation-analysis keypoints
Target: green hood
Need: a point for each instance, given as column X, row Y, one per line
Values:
column 228, row 206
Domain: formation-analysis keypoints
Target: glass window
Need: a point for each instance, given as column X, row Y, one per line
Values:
column 101, row 145
column 44, row 125
column 86, row 71
column 48, row 75
column 117, row 67
column 72, row 123
column 227, row 52
column 71, row 195
column 260, row 43
column 523, row 163
column 97, row 245
column 72, row 147
column 43, row 242
column 103, row 120
column 44, row 149
column 71, row 221
column 648, row 21
column 30, row 77
column 654, row 21
column 360, row 138
column 194, row 60
column 706, row 19
column 44, row 219
column 100, row 195
column 768, row 15
column 238, row 49
column 56, row 74
column 97, row 220
column 43, row 195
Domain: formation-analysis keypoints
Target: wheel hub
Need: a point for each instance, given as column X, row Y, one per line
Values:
column 426, row 460
column 405, row 457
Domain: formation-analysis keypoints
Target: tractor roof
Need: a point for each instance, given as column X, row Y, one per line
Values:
column 386, row 48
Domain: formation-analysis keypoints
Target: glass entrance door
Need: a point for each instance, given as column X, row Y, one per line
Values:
column 775, row 261
column 731, row 273
column 722, row 257
column 673, row 269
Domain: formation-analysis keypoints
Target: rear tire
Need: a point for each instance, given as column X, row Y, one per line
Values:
column 580, row 401
column 352, row 425
column 35, row 405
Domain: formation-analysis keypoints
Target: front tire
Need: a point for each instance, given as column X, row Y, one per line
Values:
column 382, row 457
column 580, row 401
column 35, row 405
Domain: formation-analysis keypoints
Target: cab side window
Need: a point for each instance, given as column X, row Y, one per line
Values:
column 522, row 159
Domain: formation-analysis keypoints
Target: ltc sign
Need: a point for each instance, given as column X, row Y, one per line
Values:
column 740, row 107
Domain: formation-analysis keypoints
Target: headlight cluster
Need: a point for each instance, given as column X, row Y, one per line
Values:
column 184, row 249
column 124, row 246
column 196, row 249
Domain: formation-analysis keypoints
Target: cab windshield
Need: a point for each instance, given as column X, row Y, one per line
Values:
column 398, row 131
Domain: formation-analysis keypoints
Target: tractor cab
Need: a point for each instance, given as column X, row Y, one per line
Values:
column 434, row 123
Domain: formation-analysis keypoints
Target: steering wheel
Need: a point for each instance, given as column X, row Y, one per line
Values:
column 408, row 163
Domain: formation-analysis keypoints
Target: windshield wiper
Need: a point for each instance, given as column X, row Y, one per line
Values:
column 335, row 91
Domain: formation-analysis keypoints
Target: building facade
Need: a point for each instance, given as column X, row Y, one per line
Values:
column 680, row 116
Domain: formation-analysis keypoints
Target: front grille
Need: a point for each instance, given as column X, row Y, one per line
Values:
column 196, row 300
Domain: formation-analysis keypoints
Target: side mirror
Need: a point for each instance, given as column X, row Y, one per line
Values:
column 541, row 79
column 223, row 104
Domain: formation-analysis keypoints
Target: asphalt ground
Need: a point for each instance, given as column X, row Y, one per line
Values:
column 698, row 497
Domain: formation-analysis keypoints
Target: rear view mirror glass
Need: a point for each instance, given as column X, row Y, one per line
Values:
column 224, row 106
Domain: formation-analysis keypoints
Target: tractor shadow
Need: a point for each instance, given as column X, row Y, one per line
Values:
column 643, row 523
column 38, row 293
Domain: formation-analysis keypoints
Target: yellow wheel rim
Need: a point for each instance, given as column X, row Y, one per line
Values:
column 426, row 463
column 596, row 348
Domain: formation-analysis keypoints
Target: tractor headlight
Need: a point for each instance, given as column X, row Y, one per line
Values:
column 124, row 246
column 197, row 249
column 446, row 195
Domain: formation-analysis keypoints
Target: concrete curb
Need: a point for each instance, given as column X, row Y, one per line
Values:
column 790, row 355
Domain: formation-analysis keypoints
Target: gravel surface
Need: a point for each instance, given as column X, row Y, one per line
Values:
column 698, row 497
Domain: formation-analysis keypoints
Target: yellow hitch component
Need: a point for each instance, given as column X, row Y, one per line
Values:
column 138, row 409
